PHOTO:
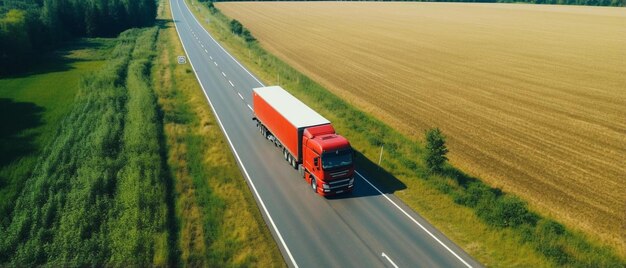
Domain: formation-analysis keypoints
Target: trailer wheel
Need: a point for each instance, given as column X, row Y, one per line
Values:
column 314, row 185
column 285, row 154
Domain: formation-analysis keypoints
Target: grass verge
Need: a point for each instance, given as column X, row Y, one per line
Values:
column 219, row 224
column 495, row 227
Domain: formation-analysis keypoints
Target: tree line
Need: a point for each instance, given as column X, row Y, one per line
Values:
column 30, row 27
column 615, row 3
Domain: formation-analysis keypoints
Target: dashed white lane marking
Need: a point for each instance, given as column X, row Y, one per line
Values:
column 215, row 63
column 223, row 74
column 389, row 259
column 219, row 121
column 249, row 107
column 240, row 95
column 211, row 57
column 206, row 51
column 231, row 83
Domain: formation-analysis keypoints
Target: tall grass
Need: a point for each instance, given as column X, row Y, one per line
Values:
column 402, row 165
column 140, row 207
column 33, row 105
column 96, row 196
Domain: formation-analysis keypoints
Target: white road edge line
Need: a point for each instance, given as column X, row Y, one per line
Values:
column 415, row 221
column 215, row 41
column 250, row 107
column 280, row 237
column 231, row 83
column 240, row 95
column 389, row 259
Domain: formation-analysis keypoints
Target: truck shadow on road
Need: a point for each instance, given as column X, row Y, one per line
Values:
column 376, row 175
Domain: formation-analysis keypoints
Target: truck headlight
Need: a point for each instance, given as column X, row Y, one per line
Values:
column 325, row 186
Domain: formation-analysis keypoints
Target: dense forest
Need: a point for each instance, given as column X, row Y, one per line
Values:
column 30, row 27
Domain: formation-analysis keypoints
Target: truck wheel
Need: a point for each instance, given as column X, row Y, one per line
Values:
column 314, row 185
column 285, row 154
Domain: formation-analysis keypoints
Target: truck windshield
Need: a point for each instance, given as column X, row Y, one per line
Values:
column 338, row 158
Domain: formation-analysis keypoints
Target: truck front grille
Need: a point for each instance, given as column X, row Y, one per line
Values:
column 339, row 173
column 339, row 183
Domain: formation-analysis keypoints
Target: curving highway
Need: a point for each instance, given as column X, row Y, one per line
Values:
column 366, row 229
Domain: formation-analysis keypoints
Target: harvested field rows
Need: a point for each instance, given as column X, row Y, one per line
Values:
column 532, row 98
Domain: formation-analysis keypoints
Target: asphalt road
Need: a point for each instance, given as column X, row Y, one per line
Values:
column 366, row 229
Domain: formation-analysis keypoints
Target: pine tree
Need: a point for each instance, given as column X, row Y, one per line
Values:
column 436, row 150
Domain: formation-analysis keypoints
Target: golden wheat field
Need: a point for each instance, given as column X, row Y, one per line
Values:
column 532, row 98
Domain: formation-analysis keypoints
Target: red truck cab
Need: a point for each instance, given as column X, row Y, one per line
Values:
column 327, row 163
column 307, row 139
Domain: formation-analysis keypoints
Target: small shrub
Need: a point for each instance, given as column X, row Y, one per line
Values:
column 248, row 36
column 474, row 193
column 547, row 227
column 506, row 211
column 236, row 27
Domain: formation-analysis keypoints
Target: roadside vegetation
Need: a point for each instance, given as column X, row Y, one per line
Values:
column 219, row 224
column 96, row 195
column 495, row 227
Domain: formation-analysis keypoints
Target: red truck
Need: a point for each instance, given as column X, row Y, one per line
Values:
column 307, row 139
